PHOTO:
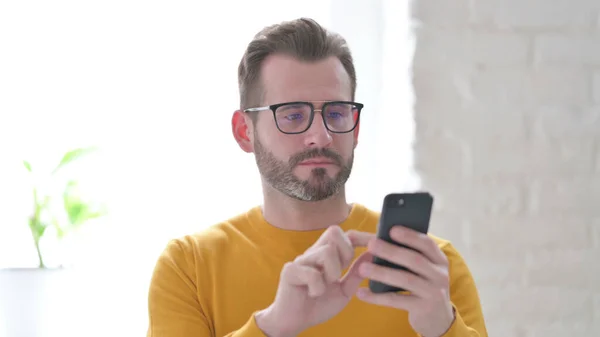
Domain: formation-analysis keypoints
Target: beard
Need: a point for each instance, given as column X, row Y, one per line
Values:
column 319, row 186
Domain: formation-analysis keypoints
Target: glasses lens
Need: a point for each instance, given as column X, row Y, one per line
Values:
column 293, row 118
column 340, row 117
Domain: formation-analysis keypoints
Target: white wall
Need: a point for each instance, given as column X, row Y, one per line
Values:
column 508, row 139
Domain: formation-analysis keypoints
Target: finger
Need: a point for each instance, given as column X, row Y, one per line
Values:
column 344, row 246
column 413, row 260
column 304, row 276
column 359, row 239
column 325, row 258
column 352, row 280
column 325, row 238
column 421, row 242
column 397, row 278
column 335, row 236
column 392, row 300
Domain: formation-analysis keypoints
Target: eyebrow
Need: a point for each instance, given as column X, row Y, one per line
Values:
column 291, row 106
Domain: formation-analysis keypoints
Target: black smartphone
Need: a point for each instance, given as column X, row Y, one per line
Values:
column 412, row 210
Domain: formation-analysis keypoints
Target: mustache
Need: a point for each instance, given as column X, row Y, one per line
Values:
column 314, row 153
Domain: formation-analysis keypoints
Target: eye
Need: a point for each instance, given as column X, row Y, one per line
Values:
column 294, row 116
column 334, row 115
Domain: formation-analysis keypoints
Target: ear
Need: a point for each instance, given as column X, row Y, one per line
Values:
column 241, row 126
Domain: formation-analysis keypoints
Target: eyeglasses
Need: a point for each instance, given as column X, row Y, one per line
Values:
column 297, row 117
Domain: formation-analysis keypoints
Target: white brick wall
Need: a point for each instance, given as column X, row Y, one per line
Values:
column 559, row 15
column 508, row 138
column 557, row 49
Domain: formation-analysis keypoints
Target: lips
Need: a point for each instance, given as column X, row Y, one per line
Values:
column 317, row 162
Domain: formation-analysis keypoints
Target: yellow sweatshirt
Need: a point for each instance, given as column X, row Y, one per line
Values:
column 211, row 283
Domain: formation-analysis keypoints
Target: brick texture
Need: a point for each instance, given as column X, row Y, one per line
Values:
column 566, row 15
column 447, row 14
column 568, row 50
column 507, row 112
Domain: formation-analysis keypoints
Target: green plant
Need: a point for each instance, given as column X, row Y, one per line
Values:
column 72, row 210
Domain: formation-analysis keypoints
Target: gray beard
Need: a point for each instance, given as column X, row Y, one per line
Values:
column 318, row 187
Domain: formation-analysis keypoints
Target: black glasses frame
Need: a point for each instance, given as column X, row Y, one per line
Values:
column 274, row 107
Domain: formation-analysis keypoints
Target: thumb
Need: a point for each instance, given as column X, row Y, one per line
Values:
column 351, row 281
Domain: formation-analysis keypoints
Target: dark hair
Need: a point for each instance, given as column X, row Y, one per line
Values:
column 303, row 39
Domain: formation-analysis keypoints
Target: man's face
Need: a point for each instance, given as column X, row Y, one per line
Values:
column 316, row 164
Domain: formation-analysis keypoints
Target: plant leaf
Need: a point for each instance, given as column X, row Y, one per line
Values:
column 94, row 214
column 73, row 155
column 37, row 228
column 27, row 165
column 78, row 211
column 60, row 233
column 72, row 202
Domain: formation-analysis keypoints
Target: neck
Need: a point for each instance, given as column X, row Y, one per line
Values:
column 285, row 212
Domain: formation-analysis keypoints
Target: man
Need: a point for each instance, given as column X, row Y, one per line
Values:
column 299, row 264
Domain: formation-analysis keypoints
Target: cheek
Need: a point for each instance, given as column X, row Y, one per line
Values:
column 280, row 145
column 345, row 144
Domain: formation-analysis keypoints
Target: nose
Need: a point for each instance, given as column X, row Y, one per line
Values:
column 317, row 134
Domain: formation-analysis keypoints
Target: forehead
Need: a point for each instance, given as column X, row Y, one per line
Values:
column 285, row 79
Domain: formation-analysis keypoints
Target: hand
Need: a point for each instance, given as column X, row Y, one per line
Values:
column 311, row 288
column 428, row 304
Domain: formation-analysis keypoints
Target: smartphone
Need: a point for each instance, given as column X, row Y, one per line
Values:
column 412, row 210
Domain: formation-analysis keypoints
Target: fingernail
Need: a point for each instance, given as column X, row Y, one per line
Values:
column 361, row 293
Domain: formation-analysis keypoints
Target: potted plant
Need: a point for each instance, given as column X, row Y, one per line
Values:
column 64, row 212
column 29, row 296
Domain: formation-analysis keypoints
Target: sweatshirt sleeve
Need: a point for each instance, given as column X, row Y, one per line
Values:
column 469, row 321
column 173, row 306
